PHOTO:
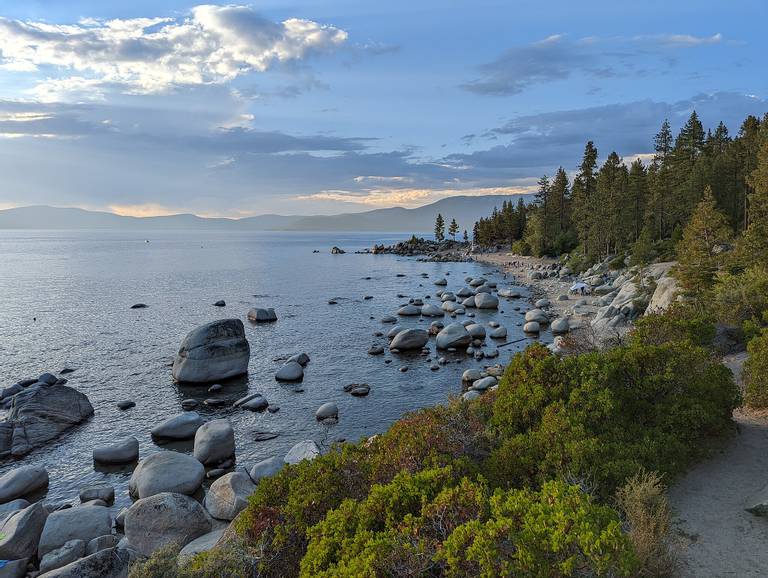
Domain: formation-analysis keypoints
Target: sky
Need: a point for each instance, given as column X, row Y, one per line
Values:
column 320, row 107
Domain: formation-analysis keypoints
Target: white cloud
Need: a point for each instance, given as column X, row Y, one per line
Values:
column 213, row 44
column 408, row 197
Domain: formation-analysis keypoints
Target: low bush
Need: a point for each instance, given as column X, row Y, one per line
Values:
column 740, row 298
column 756, row 372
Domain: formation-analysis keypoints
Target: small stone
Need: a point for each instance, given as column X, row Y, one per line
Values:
column 126, row 404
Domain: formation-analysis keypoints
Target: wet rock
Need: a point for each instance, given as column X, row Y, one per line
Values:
column 532, row 327
column 409, row 339
column 499, row 333
column 262, row 315
column 179, row 427
column 291, row 371
column 213, row 352
column 22, row 481
column 126, row 404
column 220, row 303
column 409, row 310
column 328, row 410
column 300, row 358
column 139, row 306
column 431, row 310
column 214, row 442
column 103, row 492
column 537, row 315
column 453, row 335
column 486, row 301
column 189, row 404
column 376, row 350
column 252, row 402
column 166, row 472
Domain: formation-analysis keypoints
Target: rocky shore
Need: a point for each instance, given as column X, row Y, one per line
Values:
column 170, row 501
column 427, row 250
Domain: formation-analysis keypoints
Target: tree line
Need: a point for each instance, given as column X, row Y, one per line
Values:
column 616, row 207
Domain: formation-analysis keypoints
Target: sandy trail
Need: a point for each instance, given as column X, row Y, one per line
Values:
column 719, row 538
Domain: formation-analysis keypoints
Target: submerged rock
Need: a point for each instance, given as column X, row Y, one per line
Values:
column 327, row 411
column 212, row 352
column 291, row 371
column 262, row 315
column 124, row 451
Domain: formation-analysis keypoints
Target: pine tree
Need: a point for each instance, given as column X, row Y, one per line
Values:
column 453, row 229
column 755, row 242
column 466, row 237
column 637, row 197
column 583, row 190
column 439, row 228
column 699, row 252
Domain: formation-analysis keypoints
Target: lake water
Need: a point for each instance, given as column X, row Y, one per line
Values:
column 79, row 287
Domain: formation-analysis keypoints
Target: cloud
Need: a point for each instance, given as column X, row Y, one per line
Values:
column 409, row 198
column 557, row 58
column 214, row 44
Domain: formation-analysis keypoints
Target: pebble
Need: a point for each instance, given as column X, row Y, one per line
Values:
column 126, row 404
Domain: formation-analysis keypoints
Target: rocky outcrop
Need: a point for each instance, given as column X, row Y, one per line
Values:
column 215, row 351
column 162, row 519
column 41, row 413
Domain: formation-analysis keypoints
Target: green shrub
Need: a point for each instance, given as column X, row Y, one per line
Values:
column 600, row 417
column 756, row 372
column 520, row 247
column 681, row 322
column 742, row 297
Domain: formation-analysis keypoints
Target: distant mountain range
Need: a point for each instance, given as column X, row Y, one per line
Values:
column 466, row 210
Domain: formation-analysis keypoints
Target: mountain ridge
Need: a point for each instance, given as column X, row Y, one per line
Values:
column 465, row 209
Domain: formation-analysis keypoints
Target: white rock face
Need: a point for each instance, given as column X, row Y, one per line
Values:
column 306, row 450
column 162, row 519
column 166, row 472
column 410, row 339
column 228, row 495
column 453, row 335
column 214, row 442
column 666, row 293
column 215, row 351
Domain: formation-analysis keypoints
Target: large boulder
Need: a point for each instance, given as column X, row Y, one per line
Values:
column 486, row 301
column 228, row 495
column 40, row 414
column 79, row 523
column 123, row 451
column 22, row 481
column 453, row 335
column 666, row 292
column 430, row 310
column 20, row 532
column 266, row 468
column 166, row 472
column 212, row 352
column 214, row 442
column 179, row 427
column 108, row 563
column 306, row 450
column 262, row 315
column 162, row 519
column 410, row 339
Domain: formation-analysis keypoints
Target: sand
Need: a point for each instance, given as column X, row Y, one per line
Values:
column 716, row 537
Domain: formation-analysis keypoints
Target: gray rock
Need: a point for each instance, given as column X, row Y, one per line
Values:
column 447, row 296
column 410, row 339
column 300, row 358
column 464, row 292
column 179, row 427
column 394, row 331
column 409, row 311
column 212, row 352
column 202, row 544
column 306, row 450
column 262, row 315
column 430, row 310
column 452, row 307
column 12, row 506
column 389, row 319
column 166, row 472
column 532, row 327
column 22, row 481
column 162, row 519
column 69, row 552
column 476, row 331
column 123, row 451
column 266, row 468
column 327, row 411
column 80, row 523
column 484, row 289
column 441, row 282
column 542, row 303
column 254, row 402
column 477, row 282
column 20, row 532
column 214, row 442
column 499, row 333
column 486, row 301
column 40, row 414
column 291, row 371
column 471, row 395
column 536, row 315
column 101, row 543
column 484, row 383
column 468, row 302
column 15, row 568
column 471, row 375
column 228, row 496
column 103, row 492
column 376, row 350
column 188, row 404
column 453, row 335
column 48, row 379
column 109, row 563
column 560, row 325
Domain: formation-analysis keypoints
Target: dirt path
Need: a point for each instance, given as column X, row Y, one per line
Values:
column 719, row 538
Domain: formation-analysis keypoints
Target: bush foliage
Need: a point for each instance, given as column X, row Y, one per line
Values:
column 516, row 483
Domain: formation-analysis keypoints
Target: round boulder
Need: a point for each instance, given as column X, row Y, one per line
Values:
column 215, row 351
column 536, row 315
column 453, row 335
column 532, row 327
column 214, row 442
column 22, row 481
column 179, row 427
column 291, row 371
column 123, row 451
column 266, row 468
column 560, row 325
column 228, row 495
column 430, row 310
column 410, row 339
column 306, row 450
column 166, row 472
column 486, row 301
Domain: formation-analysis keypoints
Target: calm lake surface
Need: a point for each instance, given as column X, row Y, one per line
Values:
column 80, row 285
